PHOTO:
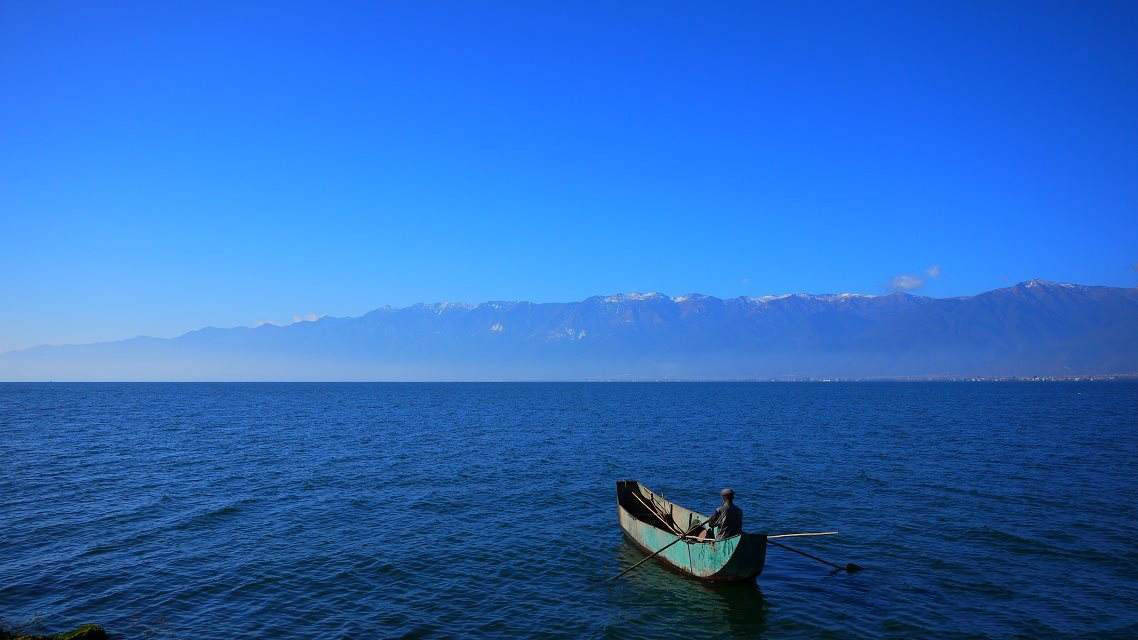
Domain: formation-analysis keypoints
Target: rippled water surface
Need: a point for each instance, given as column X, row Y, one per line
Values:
column 376, row 510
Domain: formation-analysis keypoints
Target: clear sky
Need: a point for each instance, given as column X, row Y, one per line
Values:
column 164, row 168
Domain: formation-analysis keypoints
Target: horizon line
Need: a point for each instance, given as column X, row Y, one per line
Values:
column 1103, row 377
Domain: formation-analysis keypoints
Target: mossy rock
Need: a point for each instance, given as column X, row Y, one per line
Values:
column 85, row 632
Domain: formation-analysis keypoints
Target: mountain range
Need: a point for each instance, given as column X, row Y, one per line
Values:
column 1035, row 328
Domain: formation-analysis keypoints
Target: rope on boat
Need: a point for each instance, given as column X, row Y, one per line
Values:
column 672, row 528
column 676, row 530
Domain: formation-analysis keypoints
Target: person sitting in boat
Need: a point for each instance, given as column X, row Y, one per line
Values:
column 727, row 520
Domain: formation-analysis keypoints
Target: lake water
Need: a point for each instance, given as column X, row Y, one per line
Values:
column 433, row 510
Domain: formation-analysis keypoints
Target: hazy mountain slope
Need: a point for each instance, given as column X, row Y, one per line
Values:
column 1034, row 328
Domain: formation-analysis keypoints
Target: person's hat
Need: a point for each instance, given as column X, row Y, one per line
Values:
column 727, row 493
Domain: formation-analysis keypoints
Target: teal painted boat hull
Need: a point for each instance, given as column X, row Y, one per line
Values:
column 650, row 521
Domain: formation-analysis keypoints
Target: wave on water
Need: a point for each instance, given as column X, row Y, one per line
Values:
column 365, row 510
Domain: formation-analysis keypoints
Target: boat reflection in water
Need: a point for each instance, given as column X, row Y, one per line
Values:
column 652, row 592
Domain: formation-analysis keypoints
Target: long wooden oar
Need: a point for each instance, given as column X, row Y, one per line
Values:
column 661, row 550
column 799, row 535
column 849, row 568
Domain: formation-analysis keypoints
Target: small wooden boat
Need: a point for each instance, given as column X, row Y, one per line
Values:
column 652, row 522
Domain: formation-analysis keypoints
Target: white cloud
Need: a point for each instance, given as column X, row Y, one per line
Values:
column 909, row 282
column 308, row 317
column 906, row 282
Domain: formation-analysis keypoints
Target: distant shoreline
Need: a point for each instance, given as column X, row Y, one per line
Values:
column 1124, row 377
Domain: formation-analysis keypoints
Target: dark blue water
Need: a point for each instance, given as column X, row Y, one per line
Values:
column 377, row 510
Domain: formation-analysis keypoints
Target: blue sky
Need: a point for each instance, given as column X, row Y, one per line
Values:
column 167, row 168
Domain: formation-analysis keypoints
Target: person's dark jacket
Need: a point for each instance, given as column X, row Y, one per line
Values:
column 727, row 521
